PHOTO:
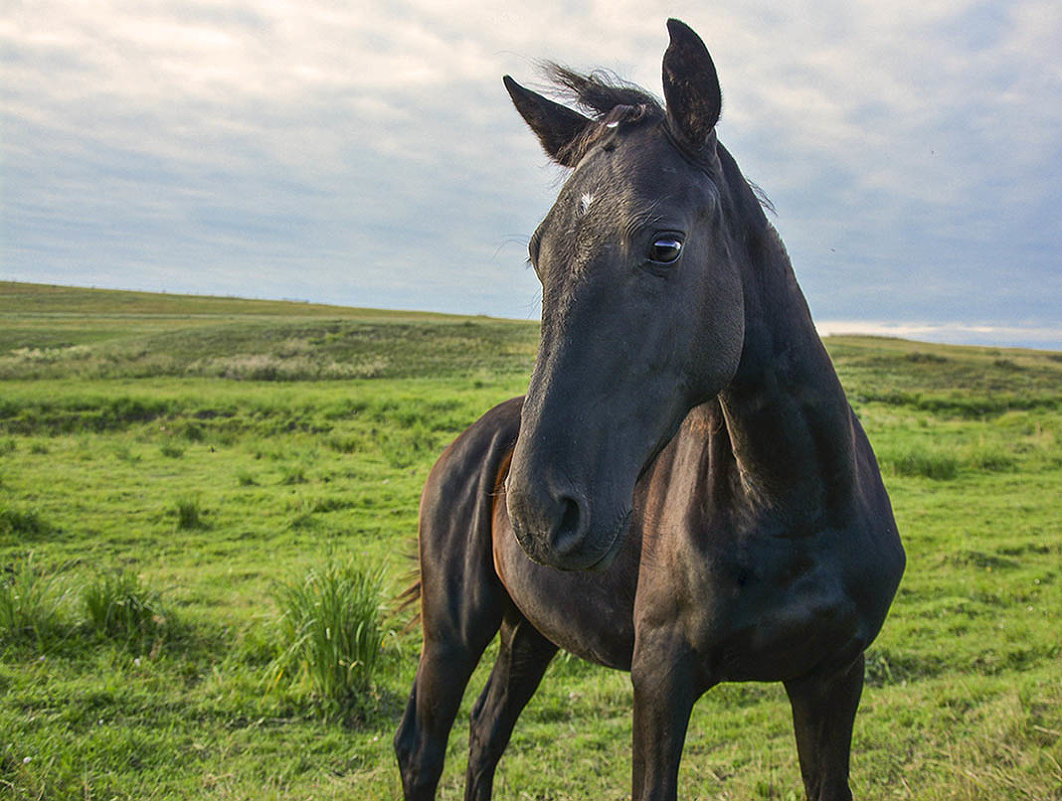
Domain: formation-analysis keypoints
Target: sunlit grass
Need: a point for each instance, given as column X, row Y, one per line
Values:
column 305, row 484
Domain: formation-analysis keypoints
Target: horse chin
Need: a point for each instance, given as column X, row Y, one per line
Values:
column 592, row 560
column 619, row 537
column 605, row 562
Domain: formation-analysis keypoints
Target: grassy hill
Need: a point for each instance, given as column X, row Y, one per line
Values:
column 58, row 331
column 18, row 298
column 53, row 331
column 209, row 451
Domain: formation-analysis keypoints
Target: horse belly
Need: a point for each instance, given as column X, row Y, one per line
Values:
column 588, row 614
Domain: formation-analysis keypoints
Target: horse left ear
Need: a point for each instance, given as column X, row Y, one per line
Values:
column 691, row 88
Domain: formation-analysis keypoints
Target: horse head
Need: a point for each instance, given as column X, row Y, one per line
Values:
column 642, row 301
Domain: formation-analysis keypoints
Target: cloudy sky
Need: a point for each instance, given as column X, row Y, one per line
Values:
column 365, row 153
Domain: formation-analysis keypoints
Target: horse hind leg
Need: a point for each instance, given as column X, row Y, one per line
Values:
column 523, row 656
column 824, row 710
column 461, row 597
column 461, row 609
column 420, row 742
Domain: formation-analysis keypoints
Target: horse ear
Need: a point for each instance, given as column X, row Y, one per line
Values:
column 691, row 87
column 556, row 126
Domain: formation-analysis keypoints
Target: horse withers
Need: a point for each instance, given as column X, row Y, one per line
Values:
column 684, row 492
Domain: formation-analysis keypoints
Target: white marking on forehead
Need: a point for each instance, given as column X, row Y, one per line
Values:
column 585, row 200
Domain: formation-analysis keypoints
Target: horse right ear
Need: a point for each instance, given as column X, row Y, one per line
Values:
column 556, row 126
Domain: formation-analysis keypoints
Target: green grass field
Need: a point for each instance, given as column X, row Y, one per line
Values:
column 171, row 467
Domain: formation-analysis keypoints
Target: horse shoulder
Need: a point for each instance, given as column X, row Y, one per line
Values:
column 821, row 590
column 475, row 457
column 762, row 593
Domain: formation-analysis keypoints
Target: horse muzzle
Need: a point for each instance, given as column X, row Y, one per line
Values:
column 556, row 525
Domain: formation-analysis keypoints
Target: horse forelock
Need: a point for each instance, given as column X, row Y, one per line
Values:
column 599, row 92
column 610, row 102
column 618, row 117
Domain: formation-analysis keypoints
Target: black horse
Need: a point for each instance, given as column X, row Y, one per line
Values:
column 685, row 492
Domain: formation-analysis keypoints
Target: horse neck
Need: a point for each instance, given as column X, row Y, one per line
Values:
column 788, row 421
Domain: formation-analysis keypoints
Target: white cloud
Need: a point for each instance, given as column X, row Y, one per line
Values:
column 912, row 148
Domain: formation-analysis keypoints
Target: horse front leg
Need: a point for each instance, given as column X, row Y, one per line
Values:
column 665, row 689
column 824, row 710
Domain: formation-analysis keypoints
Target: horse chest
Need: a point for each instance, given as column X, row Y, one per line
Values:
column 764, row 610
column 587, row 614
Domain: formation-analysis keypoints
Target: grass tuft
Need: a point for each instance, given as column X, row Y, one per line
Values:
column 119, row 607
column 23, row 524
column 29, row 606
column 189, row 514
column 171, row 449
column 293, row 474
column 990, row 459
column 920, row 462
column 331, row 634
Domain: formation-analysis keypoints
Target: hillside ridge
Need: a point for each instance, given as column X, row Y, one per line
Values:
column 20, row 298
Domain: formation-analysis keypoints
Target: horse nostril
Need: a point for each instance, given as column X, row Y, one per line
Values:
column 567, row 536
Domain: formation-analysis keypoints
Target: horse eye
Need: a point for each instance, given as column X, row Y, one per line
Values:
column 665, row 250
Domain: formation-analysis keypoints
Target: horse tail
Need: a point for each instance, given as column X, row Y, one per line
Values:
column 410, row 596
